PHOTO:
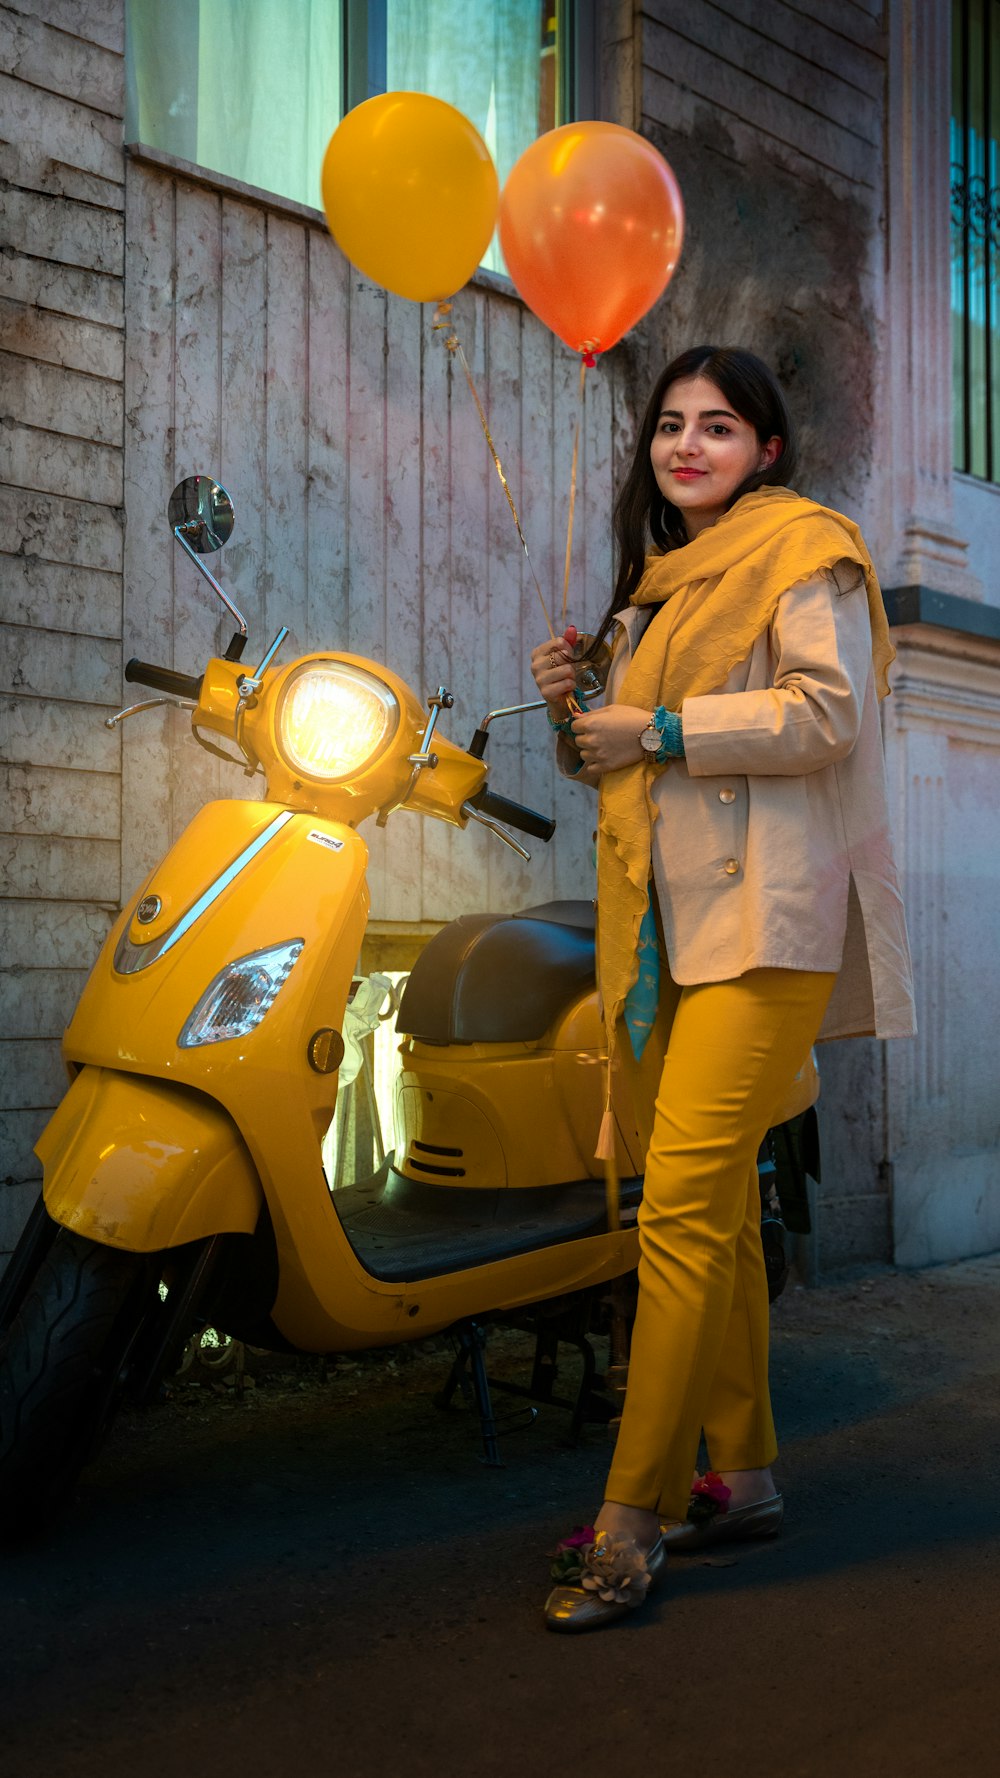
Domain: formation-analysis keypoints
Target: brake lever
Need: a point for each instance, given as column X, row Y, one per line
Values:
column 497, row 827
column 148, row 704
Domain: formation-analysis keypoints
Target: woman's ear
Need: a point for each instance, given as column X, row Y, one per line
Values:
column 770, row 452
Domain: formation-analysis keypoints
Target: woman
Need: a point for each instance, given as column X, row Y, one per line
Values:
column 747, row 903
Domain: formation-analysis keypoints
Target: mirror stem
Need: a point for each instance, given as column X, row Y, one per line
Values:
column 213, row 583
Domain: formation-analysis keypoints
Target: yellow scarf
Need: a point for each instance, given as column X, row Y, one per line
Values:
column 740, row 566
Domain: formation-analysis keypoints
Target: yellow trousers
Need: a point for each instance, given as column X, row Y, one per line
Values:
column 729, row 1053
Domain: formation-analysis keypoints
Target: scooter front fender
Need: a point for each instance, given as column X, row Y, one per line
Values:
column 145, row 1165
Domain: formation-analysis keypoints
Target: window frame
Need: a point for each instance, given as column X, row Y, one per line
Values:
column 973, row 214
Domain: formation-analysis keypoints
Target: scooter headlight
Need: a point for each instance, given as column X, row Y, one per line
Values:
column 236, row 1001
column 334, row 720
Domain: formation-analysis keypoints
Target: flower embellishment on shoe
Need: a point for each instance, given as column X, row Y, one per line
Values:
column 567, row 1557
column 709, row 1497
column 615, row 1569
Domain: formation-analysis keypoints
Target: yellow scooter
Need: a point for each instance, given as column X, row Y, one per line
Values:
column 183, row 1174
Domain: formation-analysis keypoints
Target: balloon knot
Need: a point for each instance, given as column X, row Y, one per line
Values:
column 590, row 359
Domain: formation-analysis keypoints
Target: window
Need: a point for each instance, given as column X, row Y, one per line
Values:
column 254, row 88
column 975, row 219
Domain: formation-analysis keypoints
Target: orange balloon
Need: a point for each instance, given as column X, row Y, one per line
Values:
column 591, row 224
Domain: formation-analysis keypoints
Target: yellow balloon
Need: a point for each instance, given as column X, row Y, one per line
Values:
column 411, row 194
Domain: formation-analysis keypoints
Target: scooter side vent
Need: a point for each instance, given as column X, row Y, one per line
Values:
column 434, row 1168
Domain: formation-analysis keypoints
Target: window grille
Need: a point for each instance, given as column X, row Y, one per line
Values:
column 975, row 220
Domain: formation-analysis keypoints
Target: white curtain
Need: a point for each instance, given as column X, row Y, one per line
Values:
column 251, row 88
column 482, row 58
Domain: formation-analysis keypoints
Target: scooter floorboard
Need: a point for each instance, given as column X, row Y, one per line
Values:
column 402, row 1231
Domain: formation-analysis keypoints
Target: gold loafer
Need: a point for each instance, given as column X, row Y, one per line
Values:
column 761, row 1519
column 617, row 1578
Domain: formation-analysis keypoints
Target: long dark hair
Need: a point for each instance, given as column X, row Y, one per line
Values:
column 642, row 515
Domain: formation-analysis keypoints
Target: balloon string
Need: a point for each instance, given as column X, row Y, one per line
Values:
column 572, row 487
column 454, row 345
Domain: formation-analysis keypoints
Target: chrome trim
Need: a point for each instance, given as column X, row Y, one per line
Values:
column 130, row 957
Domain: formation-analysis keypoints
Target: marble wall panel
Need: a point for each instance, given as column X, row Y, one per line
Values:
column 943, row 1123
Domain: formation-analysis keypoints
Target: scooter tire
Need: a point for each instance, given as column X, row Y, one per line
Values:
column 61, row 1365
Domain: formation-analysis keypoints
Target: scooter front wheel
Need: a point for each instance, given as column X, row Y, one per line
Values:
column 60, row 1370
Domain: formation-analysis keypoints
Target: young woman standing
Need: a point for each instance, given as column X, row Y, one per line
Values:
column 747, row 903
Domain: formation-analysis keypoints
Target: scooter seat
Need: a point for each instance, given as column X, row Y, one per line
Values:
column 563, row 913
column 494, row 978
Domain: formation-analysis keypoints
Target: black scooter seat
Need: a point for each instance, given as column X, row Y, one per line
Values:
column 495, row 978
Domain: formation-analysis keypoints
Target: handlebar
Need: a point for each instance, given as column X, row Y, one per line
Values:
column 500, row 808
column 178, row 685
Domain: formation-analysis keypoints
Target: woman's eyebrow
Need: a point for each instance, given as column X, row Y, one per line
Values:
column 708, row 413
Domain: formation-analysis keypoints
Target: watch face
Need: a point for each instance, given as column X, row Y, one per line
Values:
column 650, row 740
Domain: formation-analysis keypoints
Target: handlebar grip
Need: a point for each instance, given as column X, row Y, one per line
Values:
column 178, row 685
column 542, row 827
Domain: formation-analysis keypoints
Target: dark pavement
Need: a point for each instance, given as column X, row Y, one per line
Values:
column 323, row 1580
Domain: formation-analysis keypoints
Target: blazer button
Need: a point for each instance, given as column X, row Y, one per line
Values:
column 731, row 866
column 727, row 796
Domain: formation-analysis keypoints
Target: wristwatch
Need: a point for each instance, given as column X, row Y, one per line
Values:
column 651, row 738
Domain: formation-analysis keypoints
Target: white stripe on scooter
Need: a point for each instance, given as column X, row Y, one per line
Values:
column 211, row 894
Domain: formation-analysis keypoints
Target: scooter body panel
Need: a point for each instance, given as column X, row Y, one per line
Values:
column 275, row 875
column 522, row 1115
column 144, row 1165
column 305, row 881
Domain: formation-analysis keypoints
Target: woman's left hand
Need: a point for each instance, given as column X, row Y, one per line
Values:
column 609, row 738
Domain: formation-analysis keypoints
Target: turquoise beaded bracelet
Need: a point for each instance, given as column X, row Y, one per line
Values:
column 671, row 728
column 562, row 727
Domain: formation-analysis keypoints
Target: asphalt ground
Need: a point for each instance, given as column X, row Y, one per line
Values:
column 323, row 1579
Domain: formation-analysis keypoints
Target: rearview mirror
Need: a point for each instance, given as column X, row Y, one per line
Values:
column 201, row 514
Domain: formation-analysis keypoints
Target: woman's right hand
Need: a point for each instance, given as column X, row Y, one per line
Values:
column 553, row 672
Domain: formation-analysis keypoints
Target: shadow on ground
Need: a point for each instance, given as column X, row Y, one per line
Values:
column 326, row 1580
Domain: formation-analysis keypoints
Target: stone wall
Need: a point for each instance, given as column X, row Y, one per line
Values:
column 62, row 265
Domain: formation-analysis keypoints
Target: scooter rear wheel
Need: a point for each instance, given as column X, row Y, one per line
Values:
column 60, row 1370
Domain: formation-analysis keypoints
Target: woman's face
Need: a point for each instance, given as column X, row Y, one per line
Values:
column 702, row 451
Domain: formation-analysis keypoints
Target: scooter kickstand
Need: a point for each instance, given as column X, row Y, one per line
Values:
column 471, row 1354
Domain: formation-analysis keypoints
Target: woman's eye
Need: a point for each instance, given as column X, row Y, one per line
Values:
column 720, row 430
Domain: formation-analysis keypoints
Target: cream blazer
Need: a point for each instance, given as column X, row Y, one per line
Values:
column 772, row 846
